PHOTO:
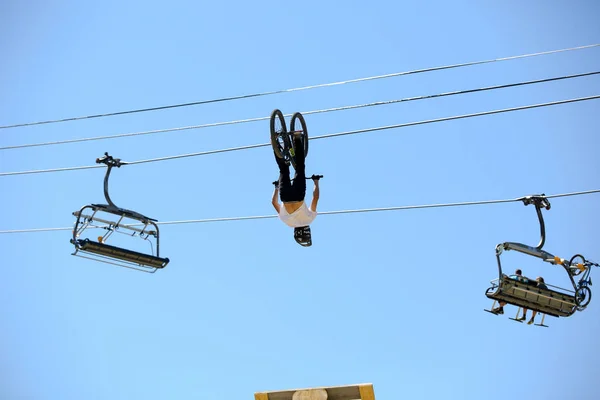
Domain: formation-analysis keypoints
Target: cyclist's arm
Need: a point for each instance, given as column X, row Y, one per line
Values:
column 316, row 193
column 275, row 200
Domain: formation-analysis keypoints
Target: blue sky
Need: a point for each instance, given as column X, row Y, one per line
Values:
column 392, row 298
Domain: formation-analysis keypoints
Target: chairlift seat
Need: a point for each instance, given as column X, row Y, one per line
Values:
column 113, row 252
column 530, row 296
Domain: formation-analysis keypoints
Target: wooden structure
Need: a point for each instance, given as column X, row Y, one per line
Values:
column 351, row 392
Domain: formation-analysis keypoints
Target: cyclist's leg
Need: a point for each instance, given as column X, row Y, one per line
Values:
column 300, row 156
column 299, row 185
column 285, row 185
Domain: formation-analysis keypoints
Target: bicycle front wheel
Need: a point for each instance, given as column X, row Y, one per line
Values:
column 298, row 124
column 278, row 132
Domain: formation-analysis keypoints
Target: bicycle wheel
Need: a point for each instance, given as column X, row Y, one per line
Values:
column 298, row 119
column 278, row 131
column 583, row 296
column 577, row 259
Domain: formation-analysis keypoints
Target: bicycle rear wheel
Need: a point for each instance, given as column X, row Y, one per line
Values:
column 583, row 296
column 278, row 132
column 298, row 124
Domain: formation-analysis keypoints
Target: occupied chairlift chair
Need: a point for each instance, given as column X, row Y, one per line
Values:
column 525, row 293
column 142, row 226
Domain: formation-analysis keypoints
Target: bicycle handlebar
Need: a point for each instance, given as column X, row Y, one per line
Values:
column 313, row 177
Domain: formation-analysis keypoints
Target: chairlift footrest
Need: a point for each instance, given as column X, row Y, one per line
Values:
column 118, row 253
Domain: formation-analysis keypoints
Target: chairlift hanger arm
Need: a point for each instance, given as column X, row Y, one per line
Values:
column 523, row 248
column 531, row 251
column 539, row 201
column 110, row 162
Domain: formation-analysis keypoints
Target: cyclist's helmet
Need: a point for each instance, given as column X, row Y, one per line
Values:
column 302, row 236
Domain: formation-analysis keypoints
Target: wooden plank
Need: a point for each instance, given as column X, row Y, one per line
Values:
column 366, row 392
column 349, row 392
column 310, row 394
column 261, row 396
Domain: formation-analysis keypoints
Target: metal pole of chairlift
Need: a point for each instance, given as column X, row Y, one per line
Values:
column 539, row 201
column 110, row 162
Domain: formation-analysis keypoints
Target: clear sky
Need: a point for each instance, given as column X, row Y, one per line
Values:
column 392, row 298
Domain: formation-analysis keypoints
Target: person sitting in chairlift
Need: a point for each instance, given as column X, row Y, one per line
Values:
column 518, row 276
column 542, row 285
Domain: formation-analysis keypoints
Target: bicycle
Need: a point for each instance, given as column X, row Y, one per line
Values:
column 583, row 294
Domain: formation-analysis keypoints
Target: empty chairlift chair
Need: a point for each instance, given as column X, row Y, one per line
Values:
column 110, row 219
